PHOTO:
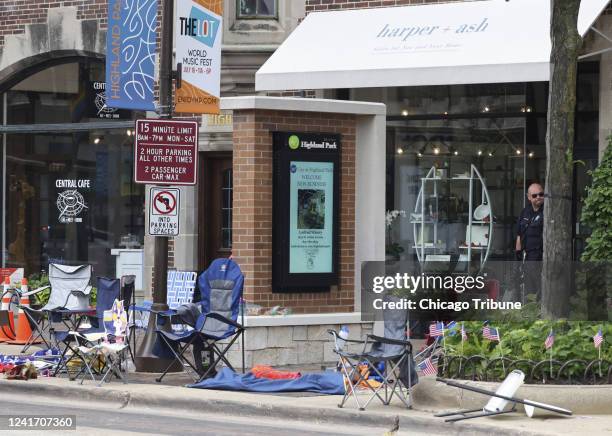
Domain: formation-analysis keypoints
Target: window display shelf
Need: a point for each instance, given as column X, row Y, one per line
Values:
column 432, row 206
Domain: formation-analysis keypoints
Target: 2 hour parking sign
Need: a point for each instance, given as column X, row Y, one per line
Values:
column 166, row 152
column 164, row 204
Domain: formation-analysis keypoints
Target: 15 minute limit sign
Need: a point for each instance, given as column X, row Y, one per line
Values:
column 166, row 152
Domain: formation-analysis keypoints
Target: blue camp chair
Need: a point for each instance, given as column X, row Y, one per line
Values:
column 213, row 320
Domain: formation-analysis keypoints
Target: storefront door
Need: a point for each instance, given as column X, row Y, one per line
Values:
column 216, row 207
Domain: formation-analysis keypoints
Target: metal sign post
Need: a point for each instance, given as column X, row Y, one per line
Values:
column 151, row 355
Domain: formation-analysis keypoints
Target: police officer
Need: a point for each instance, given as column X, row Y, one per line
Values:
column 529, row 239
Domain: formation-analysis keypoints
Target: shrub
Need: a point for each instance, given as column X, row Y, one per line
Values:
column 597, row 210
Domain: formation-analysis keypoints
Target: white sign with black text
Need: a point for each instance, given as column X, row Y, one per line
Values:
column 164, row 205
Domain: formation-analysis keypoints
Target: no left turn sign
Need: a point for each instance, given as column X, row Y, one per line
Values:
column 164, row 209
column 164, row 202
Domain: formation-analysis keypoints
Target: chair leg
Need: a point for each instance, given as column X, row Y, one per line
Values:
column 37, row 332
column 180, row 357
column 348, row 375
column 61, row 362
column 220, row 357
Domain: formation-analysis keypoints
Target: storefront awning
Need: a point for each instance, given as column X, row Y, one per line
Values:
column 492, row 41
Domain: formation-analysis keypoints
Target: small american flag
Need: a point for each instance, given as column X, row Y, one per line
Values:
column 550, row 340
column 427, row 367
column 463, row 333
column 490, row 333
column 598, row 338
column 436, row 329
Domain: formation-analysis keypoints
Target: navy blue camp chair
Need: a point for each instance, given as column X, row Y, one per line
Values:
column 108, row 291
column 213, row 321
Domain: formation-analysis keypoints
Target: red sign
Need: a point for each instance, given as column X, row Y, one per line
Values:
column 14, row 274
column 166, row 152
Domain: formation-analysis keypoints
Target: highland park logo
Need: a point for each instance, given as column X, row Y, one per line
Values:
column 201, row 26
column 295, row 142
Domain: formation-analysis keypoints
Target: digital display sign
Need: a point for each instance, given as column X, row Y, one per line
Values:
column 305, row 211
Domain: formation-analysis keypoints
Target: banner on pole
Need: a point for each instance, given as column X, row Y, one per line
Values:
column 198, row 28
column 130, row 54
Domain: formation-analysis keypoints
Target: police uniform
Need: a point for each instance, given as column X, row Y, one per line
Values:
column 531, row 230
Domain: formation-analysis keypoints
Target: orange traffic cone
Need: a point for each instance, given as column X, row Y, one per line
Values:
column 24, row 331
column 7, row 332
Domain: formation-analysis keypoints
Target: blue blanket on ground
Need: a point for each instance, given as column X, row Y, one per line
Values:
column 324, row 383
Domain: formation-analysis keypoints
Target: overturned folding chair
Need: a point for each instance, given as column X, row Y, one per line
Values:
column 500, row 399
column 393, row 351
column 215, row 328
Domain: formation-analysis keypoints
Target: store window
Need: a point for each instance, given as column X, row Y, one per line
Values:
column 69, row 193
column 458, row 162
column 257, row 9
column 444, row 170
column 437, row 135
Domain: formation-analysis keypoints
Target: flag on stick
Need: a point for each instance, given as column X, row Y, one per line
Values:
column 436, row 329
column 490, row 333
column 450, row 327
column 550, row 340
column 427, row 367
column 598, row 338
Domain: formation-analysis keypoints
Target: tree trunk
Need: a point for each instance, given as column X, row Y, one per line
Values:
column 556, row 276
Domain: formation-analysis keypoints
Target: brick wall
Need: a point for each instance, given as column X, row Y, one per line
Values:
column 326, row 5
column 16, row 14
column 252, row 234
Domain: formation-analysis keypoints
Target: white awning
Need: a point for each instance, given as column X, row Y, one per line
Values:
column 490, row 41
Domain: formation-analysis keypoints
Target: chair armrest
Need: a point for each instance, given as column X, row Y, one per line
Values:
column 220, row 318
column 166, row 313
column 35, row 291
column 384, row 340
column 334, row 333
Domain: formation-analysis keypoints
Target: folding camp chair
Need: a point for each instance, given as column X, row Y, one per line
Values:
column 393, row 351
column 111, row 344
column 180, row 290
column 107, row 292
column 70, row 291
column 216, row 328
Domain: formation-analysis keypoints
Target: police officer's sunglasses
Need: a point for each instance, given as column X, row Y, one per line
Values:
column 539, row 194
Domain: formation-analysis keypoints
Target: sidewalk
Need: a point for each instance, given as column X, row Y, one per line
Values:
column 143, row 391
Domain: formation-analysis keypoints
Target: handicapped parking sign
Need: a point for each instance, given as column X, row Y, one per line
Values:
column 164, row 209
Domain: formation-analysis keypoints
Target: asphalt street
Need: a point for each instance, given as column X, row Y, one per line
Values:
column 104, row 419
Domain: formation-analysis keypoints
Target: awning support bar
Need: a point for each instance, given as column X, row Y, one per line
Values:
column 598, row 52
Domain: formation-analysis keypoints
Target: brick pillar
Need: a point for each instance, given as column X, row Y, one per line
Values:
column 252, row 222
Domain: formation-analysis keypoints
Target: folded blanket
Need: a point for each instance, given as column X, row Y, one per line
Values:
column 263, row 371
column 324, row 383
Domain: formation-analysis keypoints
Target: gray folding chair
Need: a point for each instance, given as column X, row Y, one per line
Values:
column 70, row 287
column 70, row 290
column 393, row 350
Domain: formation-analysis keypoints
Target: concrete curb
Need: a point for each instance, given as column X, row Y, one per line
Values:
column 262, row 407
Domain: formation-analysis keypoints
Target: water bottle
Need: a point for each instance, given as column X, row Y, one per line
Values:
column 343, row 335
